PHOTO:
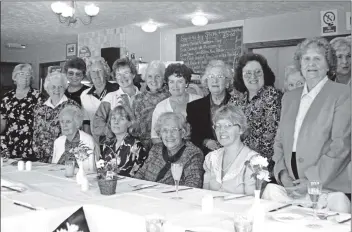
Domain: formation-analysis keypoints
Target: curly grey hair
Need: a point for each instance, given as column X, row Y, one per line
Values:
column 321, row 43
column 75, row 112
column 179, row 118
column 341, row 42
column 224, row 67
column 52, row 76
column 100, row 60
column 19, row 68
column 155, row 64
column 232, row 113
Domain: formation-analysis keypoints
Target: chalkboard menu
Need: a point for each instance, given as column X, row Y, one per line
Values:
column 196, row 49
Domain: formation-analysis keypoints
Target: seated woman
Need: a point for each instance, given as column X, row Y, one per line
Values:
column 313, row 141
column 293, row 78
column 224, row 168
column 173, row 128
column 127, row 150
column 71, row 118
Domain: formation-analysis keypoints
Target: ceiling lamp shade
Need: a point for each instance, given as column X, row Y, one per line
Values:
column 149, row 27
column 58, row 7
column 199, row 20
column 91, row 10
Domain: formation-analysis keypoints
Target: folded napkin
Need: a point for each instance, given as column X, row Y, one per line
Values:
column 76, row 222
column 9, row 184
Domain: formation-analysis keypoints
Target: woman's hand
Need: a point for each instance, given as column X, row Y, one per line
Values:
column 299, row 189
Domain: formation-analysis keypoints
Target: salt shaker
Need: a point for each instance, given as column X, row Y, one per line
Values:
column 85, row 185
column 207, row 204
column 20, row 165
column 28, row 165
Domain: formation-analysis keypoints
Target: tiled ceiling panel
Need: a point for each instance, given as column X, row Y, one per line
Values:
column 34, row 22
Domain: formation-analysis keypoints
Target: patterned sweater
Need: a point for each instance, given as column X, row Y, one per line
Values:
column 192, row 160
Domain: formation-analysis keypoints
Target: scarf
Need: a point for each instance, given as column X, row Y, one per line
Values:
column 169, row 160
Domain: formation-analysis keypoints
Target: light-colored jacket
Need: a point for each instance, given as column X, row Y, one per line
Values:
column 238, row 178
column 323, row 149
column 86, row 139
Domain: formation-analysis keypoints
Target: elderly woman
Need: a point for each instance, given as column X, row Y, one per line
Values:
column 144, row 104
column 75, row 70
column 124, row 71
column 178, row 77
column 342, row 47
column 16, row 112
column 127, row 150
column 46, row 116
column 293, row 78
column 173, row 129
column 98, row 72
column 217, row 78
column 313, row 141
column 71, row 118
column 225, row 168
column 260, row 101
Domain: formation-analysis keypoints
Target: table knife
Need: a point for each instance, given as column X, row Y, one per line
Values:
column 172, row 191
column 145, row 187
column 13, row 189
column 25, row 205
column 281, row 207
column 228, row 198
column 343, row 221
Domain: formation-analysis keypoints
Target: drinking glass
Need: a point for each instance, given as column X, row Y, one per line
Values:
column 243, row 223
column 69, row 168
column 176, row 170
column 314, row 191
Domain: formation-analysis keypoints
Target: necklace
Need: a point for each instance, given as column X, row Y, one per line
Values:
column 228, row 166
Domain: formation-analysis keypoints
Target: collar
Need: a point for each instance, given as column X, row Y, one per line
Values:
column 315, row 91
column 120, row 91
column 62, row 100
column 109, row 87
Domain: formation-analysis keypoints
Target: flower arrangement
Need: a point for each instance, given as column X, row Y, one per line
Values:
column 108, row 169
column 70, row 228
column 258, row 164
column 81, row 152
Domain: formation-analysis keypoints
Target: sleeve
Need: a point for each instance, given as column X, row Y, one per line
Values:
column 142, row 156
column 155, row 117
column 101, row 128
column 249, row 181
column 3, row 110
column 193, row 171
column 336, row 158
column 136, row 107
column 140, row 174
column 196, row 138
column 207, row 174
column 36, row 131
column 278, row 156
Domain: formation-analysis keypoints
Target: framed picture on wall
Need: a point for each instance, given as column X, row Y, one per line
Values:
column 71, row 50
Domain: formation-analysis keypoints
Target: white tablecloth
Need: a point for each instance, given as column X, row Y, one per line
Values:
column 47, row 187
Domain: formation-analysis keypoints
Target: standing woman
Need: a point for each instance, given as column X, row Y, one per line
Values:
column 144, row 104
column 260, row 101
column 46, row 116
column 342, row 47
column 75, row 70
column 16, row 111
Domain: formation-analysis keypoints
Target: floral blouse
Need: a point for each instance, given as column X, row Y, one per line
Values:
column 47, row 129
column 68, row 146
column 143, row 108
column 263, row 116
column 131, row 154
column 18, row 113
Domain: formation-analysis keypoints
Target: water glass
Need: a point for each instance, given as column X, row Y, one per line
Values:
column 69, row 168
column 176, row 170
column 314, row 191
column 243, row 223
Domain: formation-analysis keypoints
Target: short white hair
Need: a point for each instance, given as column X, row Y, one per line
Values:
column 75, row 112
column 218, row 64
column 154, row 64
column 177, row 117
column 95, row 60
column 54, row 75
column 19, row 68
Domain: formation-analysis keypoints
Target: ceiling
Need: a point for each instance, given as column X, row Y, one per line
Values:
column 34, row 22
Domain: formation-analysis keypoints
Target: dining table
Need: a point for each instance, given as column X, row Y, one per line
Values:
column 40, row 199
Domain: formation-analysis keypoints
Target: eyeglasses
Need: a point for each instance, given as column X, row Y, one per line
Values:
column 173, row 130
column 224, row 126
column 218, row 77
column 54, row 87
column 255, row 73
column 77, row 74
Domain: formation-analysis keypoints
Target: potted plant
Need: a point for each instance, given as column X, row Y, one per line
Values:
column 107, row 176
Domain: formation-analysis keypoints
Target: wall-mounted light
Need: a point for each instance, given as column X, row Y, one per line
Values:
column 149, row 27
column 199, row 20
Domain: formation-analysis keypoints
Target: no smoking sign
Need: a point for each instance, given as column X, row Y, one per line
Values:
column 328, row 21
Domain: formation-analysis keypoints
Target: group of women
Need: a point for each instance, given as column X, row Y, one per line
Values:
column 304, row 134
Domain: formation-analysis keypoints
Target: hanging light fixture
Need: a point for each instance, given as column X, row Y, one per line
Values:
column 199, row 20
column 66, row 13
column 149, row 26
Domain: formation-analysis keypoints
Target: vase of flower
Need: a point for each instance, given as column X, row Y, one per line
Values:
column 81, row 153
column 107, row 176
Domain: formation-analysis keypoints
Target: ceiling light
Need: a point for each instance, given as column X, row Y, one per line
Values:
column 66, row 12
column 199, row 20
column 149, row 27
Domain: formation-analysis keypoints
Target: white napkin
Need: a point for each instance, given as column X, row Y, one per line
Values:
column 6, row 183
